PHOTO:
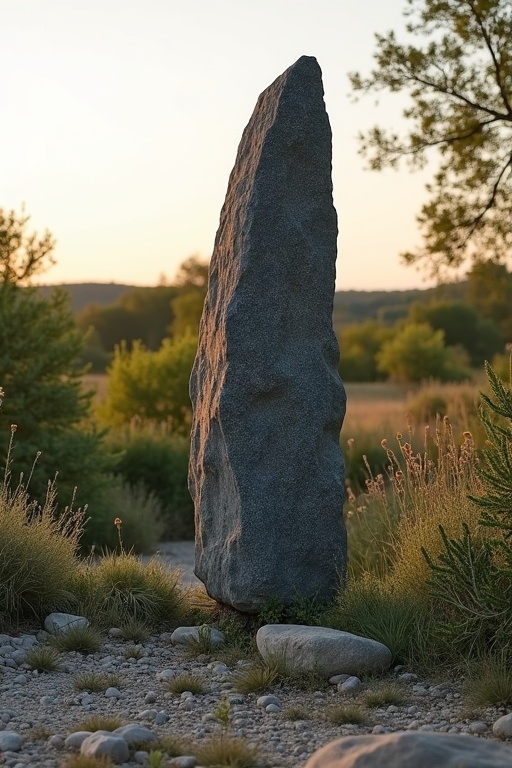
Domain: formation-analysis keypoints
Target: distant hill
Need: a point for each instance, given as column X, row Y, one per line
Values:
column 349, row 306
column 388, row 306
column 84, row 294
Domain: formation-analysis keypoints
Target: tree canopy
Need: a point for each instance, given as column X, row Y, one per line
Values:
column 456, row 66
column 22, row 255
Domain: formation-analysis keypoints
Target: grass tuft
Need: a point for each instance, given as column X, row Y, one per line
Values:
column 120, row 590
column 84, row 761
column 383, row 694
column 94, row 682
column 134, row 630
column 202, row 644
column 186, row 682
column 38, row 554
column 98, row 723
column 43, row 659
column 80, row 639
column 339, row 714
column 224, row 750
column 132, row 652
column 257, row 678
column 295, row 713
column 489, row 682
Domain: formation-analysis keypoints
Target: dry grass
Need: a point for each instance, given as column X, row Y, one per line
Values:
column 374, row 405
column 99, row 383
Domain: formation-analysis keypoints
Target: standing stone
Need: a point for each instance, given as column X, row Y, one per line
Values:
column 266, row 471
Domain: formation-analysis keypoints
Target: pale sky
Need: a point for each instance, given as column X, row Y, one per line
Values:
column 121, row 121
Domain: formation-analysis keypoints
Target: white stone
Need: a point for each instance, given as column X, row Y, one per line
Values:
column 352, row 683
column 503, row 726
column 264, row 701
column 63, row 622
column 321, row 649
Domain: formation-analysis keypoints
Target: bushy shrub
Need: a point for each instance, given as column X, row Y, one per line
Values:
column 158, row 461
column 37, row 554
column 369, row 608
column 119, row 589
column 471, row 576
column 151, row 386
column 417, row 352
column 459, row 402
column 403, row 506
column 140, row 512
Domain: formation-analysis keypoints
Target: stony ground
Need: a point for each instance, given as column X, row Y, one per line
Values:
column 44, row 708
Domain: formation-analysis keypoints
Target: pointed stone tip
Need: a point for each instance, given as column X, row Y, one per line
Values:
column 306, row 61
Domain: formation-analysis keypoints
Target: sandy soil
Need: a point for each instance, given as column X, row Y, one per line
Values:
column 178, row 554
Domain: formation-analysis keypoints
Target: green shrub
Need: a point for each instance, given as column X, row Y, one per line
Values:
column 224, row 750
column 151, row 386
column 120, row 589
column 256, row 678
column 489, row 681
column 156, row 460
column 76, row 638
column 367, row 607
column 44, row 659
column 459, row 402
column 343, row 714
column 141, row 515
column 471, row 576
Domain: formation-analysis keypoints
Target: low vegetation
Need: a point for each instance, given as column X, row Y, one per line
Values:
column 430, row 565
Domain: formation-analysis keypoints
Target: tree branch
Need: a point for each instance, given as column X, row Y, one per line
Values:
column 495, row 62
column 490, row 202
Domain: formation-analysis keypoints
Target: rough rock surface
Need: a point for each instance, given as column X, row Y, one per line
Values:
column 328, row 651
column 404, row 750
column 266, row 471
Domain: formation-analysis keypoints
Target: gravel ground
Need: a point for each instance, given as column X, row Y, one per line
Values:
column 43, row 709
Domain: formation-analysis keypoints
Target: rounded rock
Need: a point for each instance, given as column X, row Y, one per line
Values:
column 503, row 726
column 106, row 745
column 10, row 741
column 264, row 701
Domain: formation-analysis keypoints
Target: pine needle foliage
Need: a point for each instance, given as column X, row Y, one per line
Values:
column 472, row 576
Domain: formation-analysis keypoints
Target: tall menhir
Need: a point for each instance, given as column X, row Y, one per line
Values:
column 266, row 471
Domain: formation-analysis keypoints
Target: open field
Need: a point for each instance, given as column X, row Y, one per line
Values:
column 371, row 406
column 98, row 382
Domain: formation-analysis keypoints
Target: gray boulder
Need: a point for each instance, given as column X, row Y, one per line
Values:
column 266, row 471
column 412, row 749
column 63, row 622
column 185, row 635
column 103, row 744
column 328, row 651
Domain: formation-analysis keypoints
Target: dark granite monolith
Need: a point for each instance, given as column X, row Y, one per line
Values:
column 266, row 470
